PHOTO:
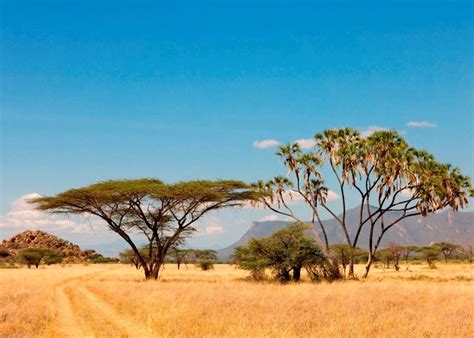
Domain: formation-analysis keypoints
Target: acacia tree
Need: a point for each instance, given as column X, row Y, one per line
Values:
column 179, row 255
column 407, row 250
column 385, row 173
column 129, row 257
column 429, row 254
column 162, row 214
column 32, row 256
column 447, row 249
column 344, row 252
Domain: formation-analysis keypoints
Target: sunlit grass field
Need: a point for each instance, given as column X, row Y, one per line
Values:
column 115, row 301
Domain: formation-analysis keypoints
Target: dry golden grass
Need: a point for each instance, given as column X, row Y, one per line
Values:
column 114, row 301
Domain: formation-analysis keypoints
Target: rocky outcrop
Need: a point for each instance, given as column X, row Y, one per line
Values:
column 42, row 240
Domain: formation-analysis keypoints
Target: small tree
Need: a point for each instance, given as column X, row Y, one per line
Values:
column 204, row 259
column 179, row 255
column 129, row 257
column 395, row 251
column 286, row 252
column 249, row 258
column 52, row 257
column 430, row 254
column 447, row 249
column 31, row 256
column 407, row 250
column 344, row 252
column 468, row 253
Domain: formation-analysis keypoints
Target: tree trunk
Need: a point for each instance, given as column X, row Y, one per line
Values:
column 283, row 276
column 368, row 264
column 350, row 273
column 146, row 271
column 156, row 270
column 296, row 273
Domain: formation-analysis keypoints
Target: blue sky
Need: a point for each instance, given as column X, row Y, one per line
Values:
column 139, row 89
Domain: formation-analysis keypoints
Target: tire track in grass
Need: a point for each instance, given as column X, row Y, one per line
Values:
column 67, row 320
column 73, row 325
column 124, row 324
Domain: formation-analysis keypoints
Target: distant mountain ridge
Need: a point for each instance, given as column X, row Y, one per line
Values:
column 456, row 227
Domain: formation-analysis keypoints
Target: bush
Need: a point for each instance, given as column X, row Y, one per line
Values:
column 206, row 264
column 52, row 258
column 104, row 260
column 31, row 256
column 4, row 253
column 286, row 252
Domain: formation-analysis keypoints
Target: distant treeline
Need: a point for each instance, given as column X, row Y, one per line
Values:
column 37, row 256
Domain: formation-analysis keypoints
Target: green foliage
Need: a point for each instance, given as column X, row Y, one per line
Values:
column 52, row 258
column 250, row 258
column 206, row 264
column 202, row 258
column 4, row 253
column 447, row 249
column 343, row 253
column 286, row 252
column 430, row 254
column 31, row 256
column 104, row 260
column 129, row 257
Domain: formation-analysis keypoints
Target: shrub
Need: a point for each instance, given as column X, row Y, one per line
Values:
column 4, row 253
column 31, row 256
column 52, row 258
column 104, row 260
column 286, row 252
column 206, row 264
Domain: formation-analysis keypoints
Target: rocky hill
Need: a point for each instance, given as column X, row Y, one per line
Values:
column 455, row 227
column 42, row 240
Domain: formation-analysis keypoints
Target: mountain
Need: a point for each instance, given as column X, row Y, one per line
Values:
column 455, row 227
column 42, row 240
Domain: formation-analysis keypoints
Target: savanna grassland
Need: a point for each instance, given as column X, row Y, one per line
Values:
column 115, row 301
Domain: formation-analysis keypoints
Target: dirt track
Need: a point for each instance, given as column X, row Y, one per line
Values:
column 72, row 324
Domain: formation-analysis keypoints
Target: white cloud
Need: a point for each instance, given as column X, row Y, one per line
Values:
column 272, row 217
column 306, row 143
column 407, row 193
column 214, row 229
column 421, row 124
column 263, row 144
column 332, row 196
column 23, row 216
column 370, row 130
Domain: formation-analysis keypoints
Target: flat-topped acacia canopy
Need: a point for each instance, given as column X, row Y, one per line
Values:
column 120, row 191
column 163, row 213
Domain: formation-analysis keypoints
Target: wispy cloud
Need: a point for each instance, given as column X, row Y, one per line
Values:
column 214, row 229
column 370, row 130
column 271, row 217
column 24, row 216
column 421, row 124
column 263, row 144
column 332, row 196
column 306, row 143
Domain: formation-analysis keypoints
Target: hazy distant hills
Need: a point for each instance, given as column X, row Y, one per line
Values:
column 456, row 227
